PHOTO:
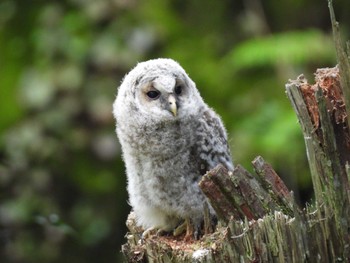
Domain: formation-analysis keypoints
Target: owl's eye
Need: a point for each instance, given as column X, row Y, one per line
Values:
column 178, row 90
column 153, row 94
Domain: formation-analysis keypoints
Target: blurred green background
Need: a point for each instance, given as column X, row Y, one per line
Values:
column 62, row 181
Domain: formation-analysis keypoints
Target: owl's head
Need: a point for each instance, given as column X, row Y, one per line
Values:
column 158, row 88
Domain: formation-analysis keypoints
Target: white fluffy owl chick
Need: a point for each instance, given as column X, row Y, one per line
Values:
column 169, row 139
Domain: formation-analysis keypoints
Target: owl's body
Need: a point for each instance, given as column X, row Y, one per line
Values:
column 169, row 138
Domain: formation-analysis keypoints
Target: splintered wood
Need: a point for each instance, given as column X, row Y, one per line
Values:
column 328, row 80
column 326, row 90
column 239, row 194
column 322, row 114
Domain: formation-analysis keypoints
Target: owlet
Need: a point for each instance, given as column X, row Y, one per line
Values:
column 169, row 139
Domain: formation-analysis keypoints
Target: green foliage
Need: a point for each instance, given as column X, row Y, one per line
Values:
column 62, row 180
column 292, row 48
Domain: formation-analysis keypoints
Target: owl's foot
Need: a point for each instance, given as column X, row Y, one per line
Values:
column 192, row 230
column 180, row 229
column 146, row 233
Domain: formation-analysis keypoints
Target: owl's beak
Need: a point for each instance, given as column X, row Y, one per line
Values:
column 172, row 105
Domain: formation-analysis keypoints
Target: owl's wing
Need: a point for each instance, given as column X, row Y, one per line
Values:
column 212, row 144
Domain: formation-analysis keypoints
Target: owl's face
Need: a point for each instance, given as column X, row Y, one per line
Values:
column 160, row 89
column 164, row 95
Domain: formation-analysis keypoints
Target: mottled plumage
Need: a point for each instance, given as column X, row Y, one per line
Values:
column 169, row 138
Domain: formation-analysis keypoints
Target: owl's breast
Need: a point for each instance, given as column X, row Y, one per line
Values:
column 162, row 167
column 164, row 139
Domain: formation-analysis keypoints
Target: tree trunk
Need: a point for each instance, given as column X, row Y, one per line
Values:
column 258, row 219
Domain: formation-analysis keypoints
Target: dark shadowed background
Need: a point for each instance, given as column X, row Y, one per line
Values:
column 62, row 181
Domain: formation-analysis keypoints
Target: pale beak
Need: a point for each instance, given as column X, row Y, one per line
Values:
column 172, row 105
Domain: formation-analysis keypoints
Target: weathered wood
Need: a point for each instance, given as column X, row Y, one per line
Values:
column 342, row 58
column 324, row 123
column 274, row 183
column 217, row 191
column 240, row 195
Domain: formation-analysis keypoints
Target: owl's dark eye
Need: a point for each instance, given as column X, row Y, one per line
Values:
column 178, row 90
column 153, row 94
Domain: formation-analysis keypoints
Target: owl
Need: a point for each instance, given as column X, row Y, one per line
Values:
column 170, row 138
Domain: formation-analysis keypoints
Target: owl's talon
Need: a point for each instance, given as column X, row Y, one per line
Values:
column 192, row 230
column 180, row 229
column 147, row 233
